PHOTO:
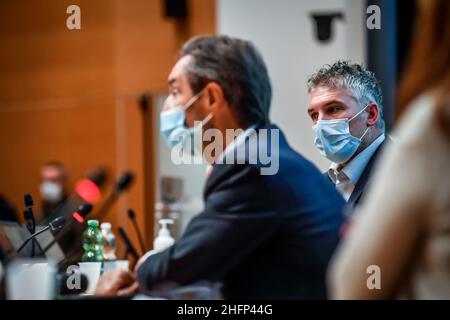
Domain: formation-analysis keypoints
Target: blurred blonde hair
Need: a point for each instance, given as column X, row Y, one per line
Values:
column 428, row 65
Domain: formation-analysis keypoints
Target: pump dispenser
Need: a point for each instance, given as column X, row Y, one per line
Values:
column 164, row 239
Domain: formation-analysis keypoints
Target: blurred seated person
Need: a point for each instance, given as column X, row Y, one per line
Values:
column 267, row 230
column 7, row 210
column 403, row 226
column 345, row 106
column 53, row 187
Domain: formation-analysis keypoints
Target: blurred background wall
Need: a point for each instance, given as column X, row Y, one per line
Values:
column 73, row 95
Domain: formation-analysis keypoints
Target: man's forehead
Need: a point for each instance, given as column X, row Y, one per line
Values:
column 51, row 171
column 179, row 68
column 324, row 94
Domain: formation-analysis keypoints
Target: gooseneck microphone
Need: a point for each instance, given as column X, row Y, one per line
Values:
column 132, row 217
column 77, row 217
column 121, row 185
column 29, row 217
column 28, row 213
column 54, row 225
column 130, row 248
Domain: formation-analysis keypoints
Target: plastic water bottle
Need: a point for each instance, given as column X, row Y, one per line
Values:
column 92, row 243
column 109, row 242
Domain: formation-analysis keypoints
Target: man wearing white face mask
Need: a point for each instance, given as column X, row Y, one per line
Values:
column 345, row 106
column 262, row 234
column 53, row 187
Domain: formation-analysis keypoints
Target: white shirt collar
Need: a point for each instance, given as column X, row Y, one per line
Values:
column 353, row 170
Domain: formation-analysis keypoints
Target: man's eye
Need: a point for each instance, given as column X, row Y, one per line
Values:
column 314, row 116
column 173, row 91
column 333, row 110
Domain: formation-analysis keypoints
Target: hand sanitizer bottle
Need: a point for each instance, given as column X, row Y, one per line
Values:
column 164, row 239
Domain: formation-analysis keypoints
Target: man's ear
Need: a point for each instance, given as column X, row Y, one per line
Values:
column 214, row 95
column 373, row 114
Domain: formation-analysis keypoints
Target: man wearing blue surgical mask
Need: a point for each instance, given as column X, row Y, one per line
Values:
column 262, row 234
column 196, row 107
column 53, row 188
column 345, row 106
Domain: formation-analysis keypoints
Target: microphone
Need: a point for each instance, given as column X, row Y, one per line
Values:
column 87, row 190
column 54, row 225
column 124, row 181
column 29, row 217
column 81, row 212
column 121, row 185
column 130, row 248
column 98, row 176
column 77, row 217
column 28, row 213
column 132, row 217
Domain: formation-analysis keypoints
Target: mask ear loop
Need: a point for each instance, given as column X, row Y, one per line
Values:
column 203, row 122
column 361, row 111
column 206, row 120
column 367, row 129
column 356, row 115
column 192, row 100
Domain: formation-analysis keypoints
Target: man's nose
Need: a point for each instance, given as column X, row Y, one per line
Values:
column 324, row 116
column 166, row 105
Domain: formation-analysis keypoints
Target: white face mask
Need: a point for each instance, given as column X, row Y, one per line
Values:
column 334, row 140
column 174, row 130
column 51, row 191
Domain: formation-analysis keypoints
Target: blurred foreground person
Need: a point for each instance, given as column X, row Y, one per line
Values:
column 53, row 187
column 401, row 237
column 269, row 227
column 7, row 210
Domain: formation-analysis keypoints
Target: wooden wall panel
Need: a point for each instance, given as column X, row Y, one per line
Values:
column 40, row 58
column 64, row 131
column 73, row 95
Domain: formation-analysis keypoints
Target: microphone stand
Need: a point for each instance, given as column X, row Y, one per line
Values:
column 32, row 238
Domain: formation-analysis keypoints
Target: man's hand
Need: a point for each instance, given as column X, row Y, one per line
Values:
column 118, row 282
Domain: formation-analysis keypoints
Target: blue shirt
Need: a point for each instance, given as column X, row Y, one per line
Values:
column 345, row 179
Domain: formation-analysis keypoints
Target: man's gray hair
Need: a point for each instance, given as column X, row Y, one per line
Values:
column 238, row 67
column 360, row 82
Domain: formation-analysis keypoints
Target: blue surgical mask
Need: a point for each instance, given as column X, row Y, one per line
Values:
column 334, row 140
column 173, row 125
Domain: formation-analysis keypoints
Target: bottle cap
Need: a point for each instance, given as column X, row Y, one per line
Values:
column 106, row 226
column 164, row 231
column 93, row 223
column 165, row 222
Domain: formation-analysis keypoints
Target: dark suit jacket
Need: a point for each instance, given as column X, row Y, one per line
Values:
column 364, row 180
column 262, row 236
